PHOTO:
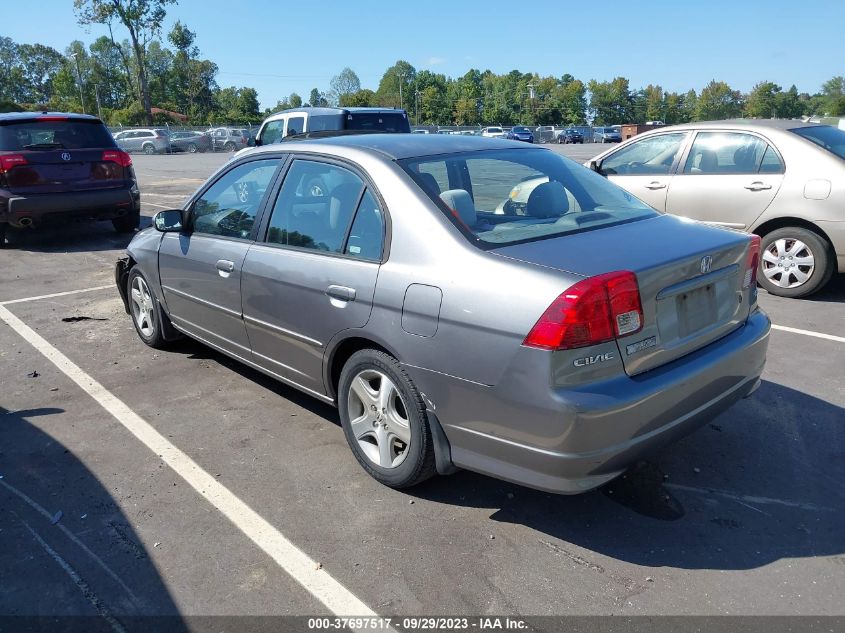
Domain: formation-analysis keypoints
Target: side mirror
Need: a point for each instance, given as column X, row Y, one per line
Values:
column 168, row 221
column 595, row 165
column 258, row 141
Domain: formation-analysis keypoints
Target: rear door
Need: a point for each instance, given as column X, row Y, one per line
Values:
column 728, row 178
column 201, row 269
column 645, row 167
column 312, row 273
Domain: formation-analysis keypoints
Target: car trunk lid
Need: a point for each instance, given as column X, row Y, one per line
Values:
column 690, row 278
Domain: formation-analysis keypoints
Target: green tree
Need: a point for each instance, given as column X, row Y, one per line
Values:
column 141, row 18
column 39, row 65
column 389, row 93
column 611, row 101
column 360, row 98
column 317, row 99
column 833, row 93
column 761, row 102
column 345, row 83
column 718, row 101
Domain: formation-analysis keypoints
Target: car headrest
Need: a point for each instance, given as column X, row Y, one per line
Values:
column 429, row 183
column 460, row 202
column 547, row 200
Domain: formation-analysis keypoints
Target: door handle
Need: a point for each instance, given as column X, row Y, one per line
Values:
column 225, row 266
column 655, row 185
column 757, row 186
column 341, row 292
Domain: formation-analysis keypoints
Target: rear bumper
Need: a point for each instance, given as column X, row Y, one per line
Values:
column 574, row 439
column 103, row 204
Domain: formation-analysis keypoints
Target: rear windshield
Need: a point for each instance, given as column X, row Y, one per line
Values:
column 826, row 136
column 37, row 134
column 382, row 121
column 501, row 197
column 494, row 130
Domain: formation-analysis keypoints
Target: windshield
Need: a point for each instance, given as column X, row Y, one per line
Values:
column 520, row 129
column 830, row 138
column 494, row 130
column 500, row 197
column 49, row 133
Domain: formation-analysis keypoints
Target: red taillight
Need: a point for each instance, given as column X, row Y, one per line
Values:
column 117, row 156
column 592, row 311
column 8, row 161
column 752, row 262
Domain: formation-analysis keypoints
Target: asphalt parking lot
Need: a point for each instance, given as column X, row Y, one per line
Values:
column 122, row 475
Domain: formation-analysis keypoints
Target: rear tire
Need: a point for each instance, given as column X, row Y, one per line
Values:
column 127, row 223
column 192, row 148
column 384, row 420
column 3, row 227
column 149, row 149
column 794, row 262
column 229, row 147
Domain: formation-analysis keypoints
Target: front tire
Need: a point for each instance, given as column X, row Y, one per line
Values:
column 192, row 148
column 3, row 227
column 794, row 262
column 384, row 420
column 229, row 147
column 145, row 310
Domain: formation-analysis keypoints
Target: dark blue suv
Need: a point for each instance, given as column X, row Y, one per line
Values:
column 57, row 167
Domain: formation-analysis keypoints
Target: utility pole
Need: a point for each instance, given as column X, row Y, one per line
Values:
column 417, row 105
column 401, row 81
column 79, row 81
column 97, row 95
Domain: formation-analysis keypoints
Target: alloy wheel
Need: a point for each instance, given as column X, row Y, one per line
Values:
column 378, row 418
column 142, row 307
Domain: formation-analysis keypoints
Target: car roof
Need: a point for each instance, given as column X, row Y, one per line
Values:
column 398, row 146
column 17, row 116
column 742, row 124
column 330, row 110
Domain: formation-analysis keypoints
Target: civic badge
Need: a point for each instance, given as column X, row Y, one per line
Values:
column 706, row 263
column 65, row 155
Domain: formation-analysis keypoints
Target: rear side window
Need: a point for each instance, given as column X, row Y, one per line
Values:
column 53, row 134
column 296, row 125
column 378, row 121
column 718, row 153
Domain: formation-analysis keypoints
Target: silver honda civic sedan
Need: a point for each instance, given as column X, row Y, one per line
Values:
column 550, row 341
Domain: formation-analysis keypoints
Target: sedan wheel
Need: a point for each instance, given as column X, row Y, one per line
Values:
column 149, row 149
column 145, row 310
column 794, row 262
column 192, row 149
column 384, row 419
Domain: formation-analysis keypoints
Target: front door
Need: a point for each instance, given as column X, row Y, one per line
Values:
column 312, row 274
column 645, row 167
column 728, row 178
column 201, row 269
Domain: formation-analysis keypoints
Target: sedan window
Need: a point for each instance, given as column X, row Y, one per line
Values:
column 728, row 153
column 649, row 156
column 229, row 206
column 315, row 206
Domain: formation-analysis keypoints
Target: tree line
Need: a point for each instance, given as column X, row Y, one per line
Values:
column 144, row 76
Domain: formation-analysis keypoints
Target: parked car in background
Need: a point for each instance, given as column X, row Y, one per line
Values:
column 57, row 167
column 537, row 347
column 420, row 132
column 226, row 139
column 190, row 142
column 570, row 136
column 493, row 132
column 545, row 134
column 781, row 180
column 148, row 141
column 606, row 135
column 325, row 121
column 520, row 133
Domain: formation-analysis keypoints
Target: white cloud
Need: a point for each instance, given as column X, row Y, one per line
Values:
column 435, row 61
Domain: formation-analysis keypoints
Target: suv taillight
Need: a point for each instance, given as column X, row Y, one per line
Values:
column 117, row 156
column 752, row 262
column 594, row 310
column 9, row 161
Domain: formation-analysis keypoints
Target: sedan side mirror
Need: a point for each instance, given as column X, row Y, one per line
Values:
column 258, row 141
column 169, row 221
column 595, row 165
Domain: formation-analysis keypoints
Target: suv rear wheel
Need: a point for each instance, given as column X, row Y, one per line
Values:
column 794, row 262
column 229, row 147
column 149, row 148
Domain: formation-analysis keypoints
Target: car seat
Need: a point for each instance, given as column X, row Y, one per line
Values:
column 547, row 200
column 460, row 203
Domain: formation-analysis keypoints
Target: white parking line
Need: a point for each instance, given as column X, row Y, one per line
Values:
column 827, row 337
column 55, row 294
column 160, row 206
column 301, row 567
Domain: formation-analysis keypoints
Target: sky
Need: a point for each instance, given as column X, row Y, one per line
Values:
column 279, row 47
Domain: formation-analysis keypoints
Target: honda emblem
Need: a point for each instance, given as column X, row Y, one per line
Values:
column 65, row 155
column 706, row 263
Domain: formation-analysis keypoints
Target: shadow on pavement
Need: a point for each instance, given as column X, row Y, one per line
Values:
column 74, row 237
column 763, row 482
column 69, row 554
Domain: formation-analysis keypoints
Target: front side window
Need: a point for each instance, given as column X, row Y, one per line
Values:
column 653, row 155
column 315, row 207
column 720, row 153
column 273, row 132
column 229, row 206
column 500, row 197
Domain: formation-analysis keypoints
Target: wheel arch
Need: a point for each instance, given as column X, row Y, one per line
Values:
column 341, row 352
